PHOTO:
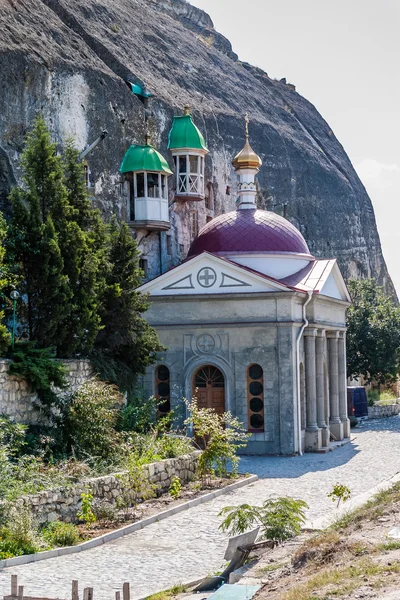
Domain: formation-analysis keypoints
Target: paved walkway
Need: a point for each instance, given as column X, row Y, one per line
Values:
column 188, row 546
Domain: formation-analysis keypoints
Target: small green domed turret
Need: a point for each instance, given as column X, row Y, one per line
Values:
column 185, row 134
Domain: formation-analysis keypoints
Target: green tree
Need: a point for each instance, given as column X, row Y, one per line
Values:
column 373, row 335
column 5, row 337
column 34, row 256
column 83, row 241
column 126, row 344
column 55, row 242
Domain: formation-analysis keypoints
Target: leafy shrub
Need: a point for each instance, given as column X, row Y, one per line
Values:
column 40, row 369
column 138, row 415
column 280, row 518
column 340, row 493
column 220, row 436
column 59, row 534
column 86, row 513
column 152, row 447
column 12, row 435
column 373, row 396
column 19, row 535
column 175, row 488
column 91, row 419
column 135, row 483
column 103, row 510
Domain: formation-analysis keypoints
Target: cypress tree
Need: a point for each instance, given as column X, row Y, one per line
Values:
column 34, row 256
column 83, row 238
column 5, row 337
column 126, row 344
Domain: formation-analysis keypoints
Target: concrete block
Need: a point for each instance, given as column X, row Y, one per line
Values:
column 313, row 440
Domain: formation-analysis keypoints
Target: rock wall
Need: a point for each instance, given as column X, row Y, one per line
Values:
column 388, row 410
column 70, row 60
column 17, row 399
column 63, row 504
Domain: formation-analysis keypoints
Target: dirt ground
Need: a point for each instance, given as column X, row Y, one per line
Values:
column 358, row 557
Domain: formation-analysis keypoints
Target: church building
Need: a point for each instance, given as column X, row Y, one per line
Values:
column 252, row 322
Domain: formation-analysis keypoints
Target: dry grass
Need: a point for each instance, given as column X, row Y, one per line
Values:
column 271, row 568
column 344, row 579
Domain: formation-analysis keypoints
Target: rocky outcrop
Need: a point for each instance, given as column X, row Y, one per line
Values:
column 70, row 59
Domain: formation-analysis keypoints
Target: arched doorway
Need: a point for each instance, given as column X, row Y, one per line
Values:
column 209, row 387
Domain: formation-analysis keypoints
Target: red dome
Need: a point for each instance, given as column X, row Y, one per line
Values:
column 249, row 230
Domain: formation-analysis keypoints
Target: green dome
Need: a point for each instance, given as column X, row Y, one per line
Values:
column 144, row 158
column 185, row 134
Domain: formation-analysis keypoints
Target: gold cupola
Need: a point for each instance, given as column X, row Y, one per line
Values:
column 247, row 158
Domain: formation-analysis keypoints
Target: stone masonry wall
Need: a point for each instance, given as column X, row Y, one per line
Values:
column 63, row 504
column 17, row 399
column 388, row 410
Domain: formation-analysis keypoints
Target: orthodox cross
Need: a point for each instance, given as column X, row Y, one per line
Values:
column 246, row 119
column 207, row 276
column 206, row 343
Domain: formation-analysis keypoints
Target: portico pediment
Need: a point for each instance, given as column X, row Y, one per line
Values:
column 209, row 274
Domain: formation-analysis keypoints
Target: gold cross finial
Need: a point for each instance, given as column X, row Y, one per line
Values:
column 246, row 119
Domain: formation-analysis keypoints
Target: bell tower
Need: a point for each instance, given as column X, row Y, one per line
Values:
column 188, row 148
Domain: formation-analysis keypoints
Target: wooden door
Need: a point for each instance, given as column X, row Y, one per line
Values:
column 210, row 385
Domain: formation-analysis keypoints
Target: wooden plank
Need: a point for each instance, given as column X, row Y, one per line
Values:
column 88, row 593
column 20, row 592
column 117, row 595
column 14, row 585
column 126, row 592
column 75, row 590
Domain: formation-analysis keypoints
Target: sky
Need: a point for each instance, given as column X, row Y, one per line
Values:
column 343, row 56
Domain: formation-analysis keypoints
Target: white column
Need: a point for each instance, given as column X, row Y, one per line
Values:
column 313, row 433
column 335, row 423
column 320, row 382
column 343, row 385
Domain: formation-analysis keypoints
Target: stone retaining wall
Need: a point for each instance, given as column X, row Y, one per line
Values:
column 63, row 504
column 388, row 410
column 17, row 399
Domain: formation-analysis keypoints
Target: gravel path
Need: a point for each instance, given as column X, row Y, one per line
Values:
column 188, row 545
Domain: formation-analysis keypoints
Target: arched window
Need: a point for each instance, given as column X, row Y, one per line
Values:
column 163, row 394
column 255, row 398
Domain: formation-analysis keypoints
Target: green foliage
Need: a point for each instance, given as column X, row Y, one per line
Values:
column 373, row 335
column 12, row 436
column 175, row 488
column 19, row 536
column 59, row 534
column 33, row 251
column 40, row 369
column 239, row 519
column 90, row 421
column 83, row 242
column 340, row 493
column 220, row 435
column 153, row 446
column 135, row 483
column 126, row 344
column 280, row 518
column 138, row 415
column 86, row 513
column 5, row 337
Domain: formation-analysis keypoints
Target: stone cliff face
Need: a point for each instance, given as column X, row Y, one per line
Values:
column 70, row 60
